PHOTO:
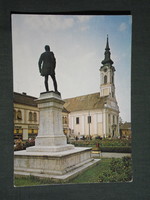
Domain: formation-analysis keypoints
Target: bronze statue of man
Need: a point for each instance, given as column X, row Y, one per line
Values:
column 47, row 65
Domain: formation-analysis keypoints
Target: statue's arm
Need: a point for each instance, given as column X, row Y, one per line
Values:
column 40, row 63
column 54, row 60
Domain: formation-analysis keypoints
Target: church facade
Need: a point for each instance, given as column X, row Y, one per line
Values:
column 96, row 114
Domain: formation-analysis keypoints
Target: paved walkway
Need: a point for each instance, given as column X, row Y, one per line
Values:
column 112, row 155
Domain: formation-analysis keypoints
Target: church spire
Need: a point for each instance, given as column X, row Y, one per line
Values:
column 107, row 45
column 107, row 59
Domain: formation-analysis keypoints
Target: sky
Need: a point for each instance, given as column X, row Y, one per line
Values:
column 78, row 43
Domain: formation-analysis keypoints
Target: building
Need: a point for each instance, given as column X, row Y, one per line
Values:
column 26, row 116
column 96, row 114
column 125, row 130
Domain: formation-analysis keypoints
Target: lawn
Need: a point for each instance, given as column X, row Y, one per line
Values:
column 95, row 174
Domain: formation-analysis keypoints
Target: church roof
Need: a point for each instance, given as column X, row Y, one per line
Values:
column 86, row 102
column 24, row 99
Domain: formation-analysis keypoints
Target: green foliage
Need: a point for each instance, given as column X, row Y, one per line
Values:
column 116, row 149
column 106, row 145
column 120, row 170
column 104, row 142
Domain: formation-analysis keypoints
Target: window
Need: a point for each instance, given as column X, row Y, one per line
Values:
column 113, row 119
column 89, row 119
column 19, row 115
column 35, row 117
column 64, row 118
column 77, row 120
column 30, row 116
column 109, row 118
column 105, row 79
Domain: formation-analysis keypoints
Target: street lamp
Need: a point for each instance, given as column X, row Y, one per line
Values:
column 89, row 121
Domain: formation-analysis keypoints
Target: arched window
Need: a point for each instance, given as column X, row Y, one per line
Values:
column 19, row 115
column 109, row 118
column 65, row 120
column 105, row 79
column 113, row 119
column 30, row 116
column 35, row 116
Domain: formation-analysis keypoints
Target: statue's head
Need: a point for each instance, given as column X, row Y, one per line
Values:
column 47, row 48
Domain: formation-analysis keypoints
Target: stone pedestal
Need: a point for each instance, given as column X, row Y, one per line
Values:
column 52, row 157
column 50, row 136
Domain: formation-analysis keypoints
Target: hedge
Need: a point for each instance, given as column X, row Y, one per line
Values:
column 116, row 149
column 103, row 142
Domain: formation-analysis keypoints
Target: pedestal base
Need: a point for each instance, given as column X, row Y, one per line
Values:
column 50, row 148
column 54, row 165
column 57, row 140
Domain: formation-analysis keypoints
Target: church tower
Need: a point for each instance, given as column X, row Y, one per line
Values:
column 107, row 87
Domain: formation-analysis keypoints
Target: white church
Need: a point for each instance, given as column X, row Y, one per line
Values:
column 96, row 114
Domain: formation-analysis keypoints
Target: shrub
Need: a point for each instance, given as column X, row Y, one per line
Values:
column 18, row 145
column 120, row 170
column 22, row 145
column 121, row 147
column 104, row 142
column 116, row 149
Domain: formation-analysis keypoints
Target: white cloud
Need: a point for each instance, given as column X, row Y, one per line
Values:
column 122, row 27
column 46, row 22
column 57, row 22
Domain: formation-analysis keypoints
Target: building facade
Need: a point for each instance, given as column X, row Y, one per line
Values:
column 125, row 130
column 96, row 114
column 26, row 116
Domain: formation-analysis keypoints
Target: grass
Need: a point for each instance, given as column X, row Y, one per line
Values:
column 92, row 175
column 89, row 176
